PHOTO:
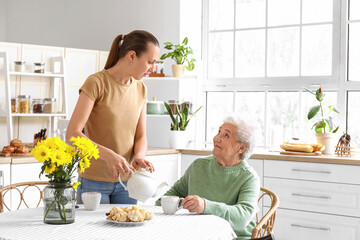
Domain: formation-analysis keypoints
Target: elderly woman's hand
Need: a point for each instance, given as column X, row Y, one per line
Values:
column 194, row 203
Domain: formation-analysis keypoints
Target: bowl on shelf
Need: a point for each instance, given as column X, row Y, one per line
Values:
column 155, row 107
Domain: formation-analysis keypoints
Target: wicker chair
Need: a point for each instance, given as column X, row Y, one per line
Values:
column 21, row 189
column 265, row 226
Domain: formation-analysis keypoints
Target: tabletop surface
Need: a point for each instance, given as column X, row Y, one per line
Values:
column 28, row 224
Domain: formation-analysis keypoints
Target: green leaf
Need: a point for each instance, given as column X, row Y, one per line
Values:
column 187, row 122
column 313, row 111
column 336, row 129
column 185, row 41
column 164, row 56
column 309, row 91
column 319, row 127
column 168, row 109
column 333, row 109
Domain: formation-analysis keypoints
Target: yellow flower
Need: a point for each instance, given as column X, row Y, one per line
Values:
column 50, row 169
column 75, row 185
column 61, row 158
column 41, row 152
column 85, row 147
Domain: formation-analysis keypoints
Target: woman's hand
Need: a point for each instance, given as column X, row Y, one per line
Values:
column 140, row 162
column 194, row 203
column 118, row 164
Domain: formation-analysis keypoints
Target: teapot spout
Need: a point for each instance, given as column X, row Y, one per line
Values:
column 159, row 188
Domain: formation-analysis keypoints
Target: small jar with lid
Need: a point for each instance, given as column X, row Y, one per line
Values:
column 50, row 105
column 173, row 104
column 38, row 105
column 15, row 105
column 19, row 66
column 39, row 67
column 24, row 103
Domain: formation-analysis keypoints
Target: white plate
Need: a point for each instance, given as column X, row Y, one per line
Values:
column 128, row 223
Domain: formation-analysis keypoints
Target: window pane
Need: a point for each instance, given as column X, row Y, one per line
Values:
column 354, row 118
column 307, row 102
column 219, row 104
column 316, row 51
column 221, row 55
column 283, row 52
column 283, row 12
column 252, row 105
column 317, row 11
column 284, row 111
column 250, row 53
column 250, row 13
column 354, row 9
column 354, row 52
column 221, row 14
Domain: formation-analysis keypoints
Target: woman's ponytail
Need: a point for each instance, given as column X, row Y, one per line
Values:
column 114, row 54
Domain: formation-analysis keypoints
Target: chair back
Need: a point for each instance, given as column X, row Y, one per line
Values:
column 265, row 225
column 21, row 188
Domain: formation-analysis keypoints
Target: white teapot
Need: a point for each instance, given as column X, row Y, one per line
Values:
column 142, row 185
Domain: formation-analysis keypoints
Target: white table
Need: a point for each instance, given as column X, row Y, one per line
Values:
column 28, row 224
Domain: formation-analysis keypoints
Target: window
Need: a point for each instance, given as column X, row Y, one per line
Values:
column 269, row 38
column 260, row 54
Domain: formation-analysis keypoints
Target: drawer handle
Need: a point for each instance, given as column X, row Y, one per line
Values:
column 315, row 228
column 312, row 171
column 310, row 196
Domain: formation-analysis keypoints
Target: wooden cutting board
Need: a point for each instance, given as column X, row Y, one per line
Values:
column 318, row 153
column 14, row 154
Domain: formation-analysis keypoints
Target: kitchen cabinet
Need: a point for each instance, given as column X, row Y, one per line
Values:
column 52, row 82
column 317, row 200
column 165, row 89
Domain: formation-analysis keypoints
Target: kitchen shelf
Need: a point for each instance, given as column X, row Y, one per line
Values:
column 56, row 63
column 157, row 115
column 30, row 74
column 38, row 114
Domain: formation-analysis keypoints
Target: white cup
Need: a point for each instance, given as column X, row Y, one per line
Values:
column 91, row 200
column 170, row 204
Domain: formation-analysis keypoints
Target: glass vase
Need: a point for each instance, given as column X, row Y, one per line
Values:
column 59, row 203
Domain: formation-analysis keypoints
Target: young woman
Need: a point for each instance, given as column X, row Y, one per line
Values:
column 112, row 109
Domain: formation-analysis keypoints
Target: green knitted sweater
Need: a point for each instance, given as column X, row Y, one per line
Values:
column 229, row 192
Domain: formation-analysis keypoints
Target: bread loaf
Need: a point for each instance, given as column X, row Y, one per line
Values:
column 297, row 147
column 316, row 147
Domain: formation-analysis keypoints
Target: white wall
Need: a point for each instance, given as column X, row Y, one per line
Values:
column 2, row 20
column 88, row 24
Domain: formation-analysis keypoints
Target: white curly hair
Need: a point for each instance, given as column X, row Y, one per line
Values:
column 244, row 134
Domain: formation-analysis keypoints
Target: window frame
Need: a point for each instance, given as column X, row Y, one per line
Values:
column 338, row 82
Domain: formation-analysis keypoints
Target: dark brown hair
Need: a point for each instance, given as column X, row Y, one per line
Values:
column 136, row 41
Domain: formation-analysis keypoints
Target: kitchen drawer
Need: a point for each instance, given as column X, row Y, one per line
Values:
column 312, row 171
column 322, row 197
column 297, row 225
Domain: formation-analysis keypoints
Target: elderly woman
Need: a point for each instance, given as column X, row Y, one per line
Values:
column 224, row 184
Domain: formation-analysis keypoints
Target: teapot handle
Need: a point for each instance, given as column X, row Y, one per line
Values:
column 122, row 184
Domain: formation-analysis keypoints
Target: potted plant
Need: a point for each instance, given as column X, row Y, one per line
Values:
column 180, row 54
column 324, row 126
column 180, row 121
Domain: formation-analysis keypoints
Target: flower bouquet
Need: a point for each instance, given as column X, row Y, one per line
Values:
column 59, row 163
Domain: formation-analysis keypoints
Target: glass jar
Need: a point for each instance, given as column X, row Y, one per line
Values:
column 50, row 105
column 189, row 105
column 38, row 105
column 59, row 203
column 24, row 103
column 19, row 66
column 173, row 104
column 39, row 67
column 15, row 105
